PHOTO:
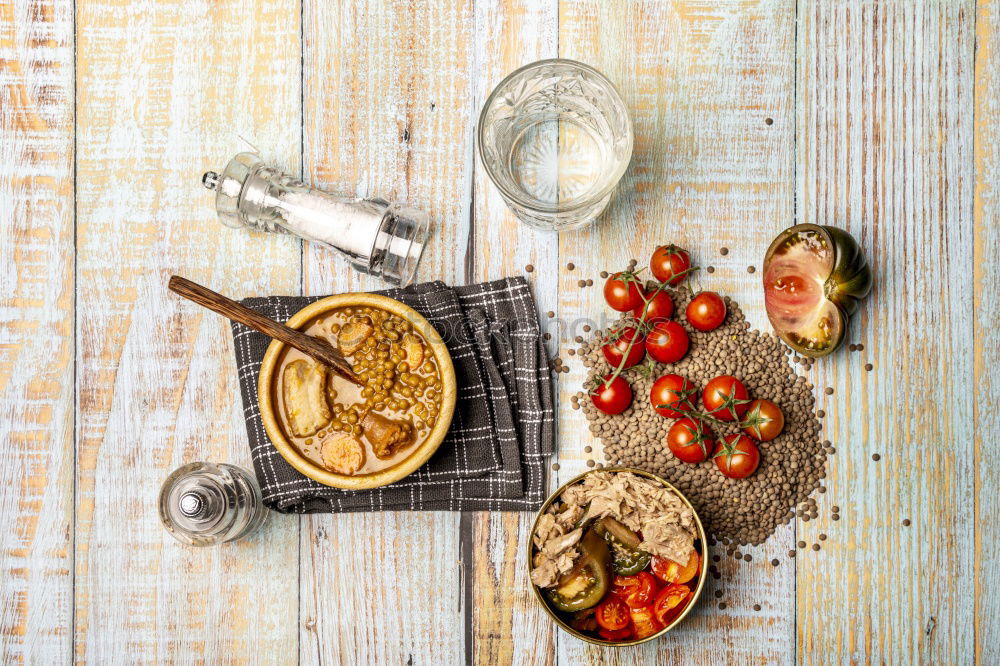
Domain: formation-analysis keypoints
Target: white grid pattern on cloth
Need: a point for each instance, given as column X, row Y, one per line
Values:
column 503, row 430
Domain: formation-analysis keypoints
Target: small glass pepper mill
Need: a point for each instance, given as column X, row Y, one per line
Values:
column 378, row 238
column 203, row 504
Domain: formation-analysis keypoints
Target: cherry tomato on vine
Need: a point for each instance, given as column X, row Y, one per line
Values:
column 659, row 307
column 623, row 292
column 670, row 264
column 612, row 397
column 706, row 311
column 670, row 396
column 629, row 342
column 667, row 342
column 763, row 420
column 690, row 440
column 737, row 456
column 725, row 398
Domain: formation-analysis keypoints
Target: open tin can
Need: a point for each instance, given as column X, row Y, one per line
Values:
column 558, row 618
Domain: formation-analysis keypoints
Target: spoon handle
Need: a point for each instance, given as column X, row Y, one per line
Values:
column 318, row 349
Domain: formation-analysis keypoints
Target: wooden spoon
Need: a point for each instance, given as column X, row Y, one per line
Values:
column 321, row 350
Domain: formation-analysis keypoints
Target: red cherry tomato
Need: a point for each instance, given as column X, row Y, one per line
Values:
column 667, row 342
column 619, row 635
column 612, row 397
column 725, row 398
column 737, row 456
column 659, row 307
column 763, row 420
column 623, row 292
column 706, row 311
column 690, row 440
column 670, row 602
column 612, row 613
column 637, row 590
column 672, row 572
column 645, row 621
column 670, row 264
column 630, row 341
column 670, row 396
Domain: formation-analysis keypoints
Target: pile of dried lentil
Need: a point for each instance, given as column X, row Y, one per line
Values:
column 744, row 511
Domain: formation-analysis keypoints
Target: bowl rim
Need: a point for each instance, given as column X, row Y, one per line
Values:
column 269, row 375
column 555, row 616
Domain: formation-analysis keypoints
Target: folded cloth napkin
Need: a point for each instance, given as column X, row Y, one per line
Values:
column 493, row 457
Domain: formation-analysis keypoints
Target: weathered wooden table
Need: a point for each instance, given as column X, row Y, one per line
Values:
column 881, row 117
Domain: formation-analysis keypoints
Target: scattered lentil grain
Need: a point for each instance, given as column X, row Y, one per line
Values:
column 586, row 329
column 722, row 605
column 591, row 463
column 815, row 546
column 718, row 594
column 590, row 282
column 756, row 607
column 869, row 367
column 723, row 251
column 529, row 268
column 570, row 266
column 822, row 537
column 859, row 347
column 801, row 544
column 906, row 522
column 775, row 562
column 820, row 413
column 767, row 121
column 581, row 283
column 550, row 314
column 829, row 390
column 604, row 274
column 876, row 457
column 836, row 516
column 710, row 269
column 751, row 269
column 555, row 467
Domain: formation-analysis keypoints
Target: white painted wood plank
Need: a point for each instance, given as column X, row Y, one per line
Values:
column 885, row 151
column 163, row 91
column 986, row 348
column 36, row 324
column 507, row 624
column 387, row 113
column 701, row 79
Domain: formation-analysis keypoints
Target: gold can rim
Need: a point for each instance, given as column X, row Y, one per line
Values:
column 555, row 616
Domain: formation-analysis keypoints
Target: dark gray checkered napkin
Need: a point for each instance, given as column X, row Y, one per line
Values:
column 493, row 457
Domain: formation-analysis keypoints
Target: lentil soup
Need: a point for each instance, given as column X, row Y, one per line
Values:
column 359, row 430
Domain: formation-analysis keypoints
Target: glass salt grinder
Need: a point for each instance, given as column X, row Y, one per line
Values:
column 203, row 504
column 377, row 238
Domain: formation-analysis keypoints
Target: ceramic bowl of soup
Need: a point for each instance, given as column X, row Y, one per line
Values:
column 349, row 436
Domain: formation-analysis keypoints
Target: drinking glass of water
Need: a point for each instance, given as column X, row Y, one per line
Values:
column 555, row 138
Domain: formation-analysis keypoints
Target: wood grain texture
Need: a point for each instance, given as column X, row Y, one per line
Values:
column 388, row 111
column 507, row 624
column 885, row 152
column 707, row 171
column 36, row 332
column 163, row 90
column 986, row 360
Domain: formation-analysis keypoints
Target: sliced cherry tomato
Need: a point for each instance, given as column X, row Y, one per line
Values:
column 629, row 341
column 763, row 420
column 706, row 311
column 612, row 397
column 670, row 602
column 671, row 395
column 612, row 613
column 658, row 307
column 617, row 635
column 645, row 621
column 725, row 398
column 690, row 440
column 670, row 264
column 623, row 291
column 737, row 456
column 667, row 342
column 636, row 591
column 672, row 572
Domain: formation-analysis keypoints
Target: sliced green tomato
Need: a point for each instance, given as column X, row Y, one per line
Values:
column 626, row 561
column 587, row 583
column 814, row 278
